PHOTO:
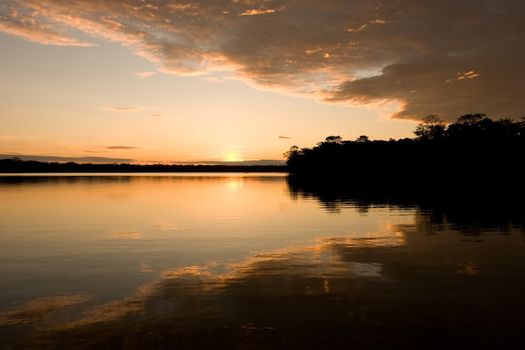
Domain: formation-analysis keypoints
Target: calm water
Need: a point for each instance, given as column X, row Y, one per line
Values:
column 248, row 261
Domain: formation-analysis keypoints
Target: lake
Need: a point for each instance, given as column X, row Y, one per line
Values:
column 241, row 261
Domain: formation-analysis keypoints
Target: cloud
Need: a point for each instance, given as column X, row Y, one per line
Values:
column 143, row 75
column 125, row 108
column 121, row 147
column 19, row 21
column 370, row 52
column 467, row 75
column 255, row 12
column 284, row 137
column 364, row 26
column 214, row 80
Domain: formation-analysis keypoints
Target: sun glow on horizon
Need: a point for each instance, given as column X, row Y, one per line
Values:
column 232, row 157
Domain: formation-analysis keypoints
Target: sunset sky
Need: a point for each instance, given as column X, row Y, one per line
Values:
column 168, row 81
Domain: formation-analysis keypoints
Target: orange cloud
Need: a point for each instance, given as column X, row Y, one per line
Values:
column 467, row 75
column 255, row 12
column 30, row 30
column 143, row 75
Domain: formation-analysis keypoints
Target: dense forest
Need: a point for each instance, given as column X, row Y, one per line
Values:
column 473, row 150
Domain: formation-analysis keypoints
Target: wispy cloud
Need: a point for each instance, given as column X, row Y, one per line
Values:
column 256, row 12
column 284, row 137
column 365, row 25
column 323, row 49
column 125, row 108
column 20, row 25
column 121, row 147
column 467, row 75
column 143, row 75
column 214, row 80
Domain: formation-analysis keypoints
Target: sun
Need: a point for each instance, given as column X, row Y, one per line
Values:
column 232, row 157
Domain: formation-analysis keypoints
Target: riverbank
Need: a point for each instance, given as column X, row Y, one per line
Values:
column 14, row 166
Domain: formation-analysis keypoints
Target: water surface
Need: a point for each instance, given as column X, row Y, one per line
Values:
column 248, row 261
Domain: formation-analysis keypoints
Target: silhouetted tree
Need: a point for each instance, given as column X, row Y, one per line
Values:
column 474, row 147
column 292, row 152
column 471, row 119
column 334, row 139
column 431, row 128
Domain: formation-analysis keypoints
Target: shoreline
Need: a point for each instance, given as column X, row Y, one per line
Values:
column 10, row 166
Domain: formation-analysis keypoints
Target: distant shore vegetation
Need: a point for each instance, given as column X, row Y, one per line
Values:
column 15, row 165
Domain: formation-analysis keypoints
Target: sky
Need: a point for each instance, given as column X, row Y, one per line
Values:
column 229, row 80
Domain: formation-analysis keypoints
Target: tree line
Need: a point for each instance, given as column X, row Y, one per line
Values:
column 15, row 165
column 475, row 148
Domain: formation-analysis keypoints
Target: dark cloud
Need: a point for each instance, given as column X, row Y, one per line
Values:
column 284, row 137
column 121, row 147
column 445, row 57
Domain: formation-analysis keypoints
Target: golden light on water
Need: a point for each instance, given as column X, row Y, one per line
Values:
column 233, row 184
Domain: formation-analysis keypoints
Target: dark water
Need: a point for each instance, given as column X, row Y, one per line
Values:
column 252, row 261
